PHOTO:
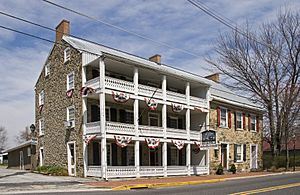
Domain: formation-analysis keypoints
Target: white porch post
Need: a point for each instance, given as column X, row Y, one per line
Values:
column 85, row 153
column 102, row 118
column 188, row 127
column 136, row 122
column 164, row 124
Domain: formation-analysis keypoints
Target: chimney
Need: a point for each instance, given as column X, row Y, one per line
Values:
column 62, row 29
column 214, row 77
column 156, row 58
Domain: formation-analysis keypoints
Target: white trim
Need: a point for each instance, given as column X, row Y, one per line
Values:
column 236, row 120
column 68, row 116
column 242, row 153
column 41, row 130
column 41, row 97
column 227, row 148
column 42, row 155
column 69, row 86
column 158, row 117
column 226, row 115
column 70, row 166
column 255, row 128
column 67, row 54
column 256, row 153
column 47, row 69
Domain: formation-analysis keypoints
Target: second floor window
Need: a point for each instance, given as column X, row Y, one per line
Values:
column 41, row 98
column 41, row 126
column 47, row 69
column 70, row 81
column 223, row 117
column 239, row 120
column 67, row 54
column 173, row 122
column 153, row 119
column 253, row 123
column 71, row 116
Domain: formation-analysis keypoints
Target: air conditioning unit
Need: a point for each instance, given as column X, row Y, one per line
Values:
column 69, row 124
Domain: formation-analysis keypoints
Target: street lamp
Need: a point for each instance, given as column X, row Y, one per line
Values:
column 32, row 129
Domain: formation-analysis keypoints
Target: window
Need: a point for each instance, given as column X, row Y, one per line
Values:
column 71, row 116
column 107, row 114
column 41, row 98
column 129, row 116
column 41, row 126
column 223, row 117
column 239, row 120
column 173, row 122
column 47, row 69
column 153, row 119
column 67, row 54
column 238, row 153
column 70, row 81
column 253, row 123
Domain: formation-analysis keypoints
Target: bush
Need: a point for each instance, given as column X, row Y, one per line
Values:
column 220, row 170
column 232, row 168
column 52, row 170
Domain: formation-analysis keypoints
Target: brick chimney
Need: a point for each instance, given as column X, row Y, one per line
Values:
column 62, row 29
column 156, row 58
column 214, row 77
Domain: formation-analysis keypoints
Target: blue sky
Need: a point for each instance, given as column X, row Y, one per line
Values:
column 176, row 23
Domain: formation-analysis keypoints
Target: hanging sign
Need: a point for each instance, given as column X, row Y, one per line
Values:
column 69, row 93
column 86, row 90
column 120, row 96
column 151, row 103
column 89, row 138
column 152, row 142
column 177, row 107
column 178, row 143
column 122, row 141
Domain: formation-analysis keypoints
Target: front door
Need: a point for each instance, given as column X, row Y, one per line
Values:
column 71, row 158
column 224, row 156
column 21, row 160
column 253, row 157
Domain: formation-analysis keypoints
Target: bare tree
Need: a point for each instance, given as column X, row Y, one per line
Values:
column 265, row 63
column 24, row 135
column 3, row 138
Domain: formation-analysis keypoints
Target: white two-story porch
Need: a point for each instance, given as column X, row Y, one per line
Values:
column 142, row 119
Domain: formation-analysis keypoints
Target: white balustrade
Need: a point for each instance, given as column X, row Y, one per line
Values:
column 177, row 97
column 93, row 83
column 176, row 133
column 118, row 84
column 94, row 171
column 93, row 127
column 151, row 131
column 195, row 135
column 196, row 101
column 199, row 170
column 151, row 171
column 149, row 91
column 120, row 128
column 121, row 171
column 177, row 170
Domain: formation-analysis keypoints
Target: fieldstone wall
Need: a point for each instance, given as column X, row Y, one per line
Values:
column 54, row 111
column 232, row 136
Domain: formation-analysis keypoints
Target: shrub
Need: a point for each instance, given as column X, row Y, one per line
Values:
column 52, row 170
column 232, row 168
column 220, row 170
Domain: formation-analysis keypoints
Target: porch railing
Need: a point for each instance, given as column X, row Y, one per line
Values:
column 94, row 171
column 151, row 131
column 122, row 171
column 151, row 171
column 113, row 83
column 120, row 128
column 177, row 97
column 199, row 170
column 196, row 101
column 93, row 127
column 176, row 133
column 149, row 91
column 177, row 170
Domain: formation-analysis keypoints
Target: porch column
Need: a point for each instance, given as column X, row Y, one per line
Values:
column 188, row 127
column 136, row 122
column 85, row 154
column 137, row 158
column 188, row 158
column 164, row 124
column 102, row 118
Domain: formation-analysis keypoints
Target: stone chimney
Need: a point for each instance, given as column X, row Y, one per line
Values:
column 214, row 77
column 156, row 58
column 62, row 29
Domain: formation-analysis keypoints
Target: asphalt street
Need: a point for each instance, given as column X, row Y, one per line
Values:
column 279, row 184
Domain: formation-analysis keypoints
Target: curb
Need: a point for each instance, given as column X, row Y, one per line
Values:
column 159, row 185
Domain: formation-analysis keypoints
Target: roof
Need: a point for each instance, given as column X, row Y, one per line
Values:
column 98, row 49
column 221, row 93
column 24, row 144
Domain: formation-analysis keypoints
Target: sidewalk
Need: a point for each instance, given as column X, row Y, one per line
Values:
column 173, row 181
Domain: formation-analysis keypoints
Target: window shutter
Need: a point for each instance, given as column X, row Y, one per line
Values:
column 229, row 119
column 249, row 122
column 235, row 152
column 244, row 121
column 257, row 123
column 244, row 152
column 235, row 120
column 218, row 116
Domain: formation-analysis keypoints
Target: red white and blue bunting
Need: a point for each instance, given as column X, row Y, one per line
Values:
column 122, row 141
column 196, row 150
column 89, row 138
column 198, row 144
column 86, row 90
column 178, row 143
column 151, row 103
column 177, row 107
column 120, row 96
column 152, row 142
column 69, row 93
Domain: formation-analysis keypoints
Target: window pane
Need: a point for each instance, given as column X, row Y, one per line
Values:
column 223, row 117
column 71, row 113
column 129, row 117
column 174, row 123
column 239, row 120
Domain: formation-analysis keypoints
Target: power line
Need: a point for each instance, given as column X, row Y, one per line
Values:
column 120, row 28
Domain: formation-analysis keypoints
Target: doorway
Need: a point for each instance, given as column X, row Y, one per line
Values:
column 253, row 157
column 71, row 158
column 224, row 155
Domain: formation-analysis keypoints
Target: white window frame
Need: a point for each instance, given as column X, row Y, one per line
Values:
column 241, row 154
column 129, row 111
column 176, row 118
column 157, row 115
column 41, row 126
column 41, row 156
column 68, row 81
column 255, row 122
column 47, row 69
column 68, row 115
column 242, row 121
column 67, row 54
column 41, row 98
column 226, row 117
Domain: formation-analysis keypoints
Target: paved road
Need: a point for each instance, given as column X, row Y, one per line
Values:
column 261, row 184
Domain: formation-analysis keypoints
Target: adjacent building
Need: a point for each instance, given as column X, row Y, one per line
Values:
column 106, row 113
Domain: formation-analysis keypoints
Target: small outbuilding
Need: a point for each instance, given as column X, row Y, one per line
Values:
column 3, row 158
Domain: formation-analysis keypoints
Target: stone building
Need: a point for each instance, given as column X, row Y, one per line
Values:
column 106, row 113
